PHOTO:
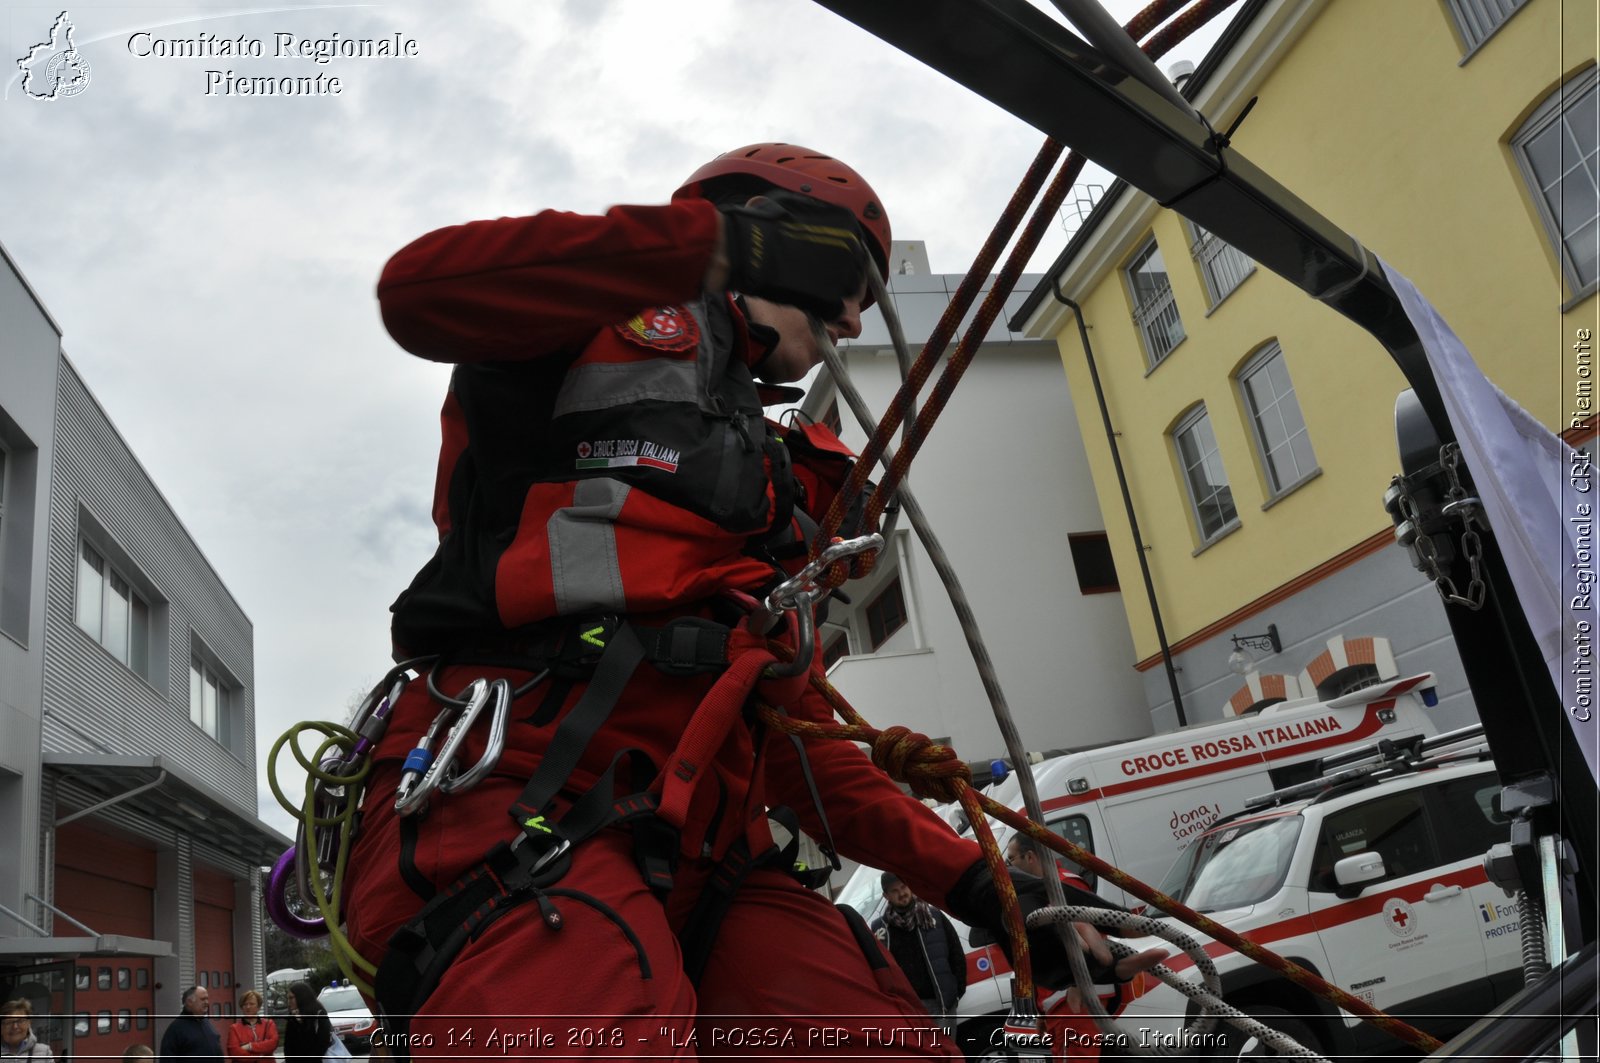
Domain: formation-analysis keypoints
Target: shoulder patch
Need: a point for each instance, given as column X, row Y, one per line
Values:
column 666, row 328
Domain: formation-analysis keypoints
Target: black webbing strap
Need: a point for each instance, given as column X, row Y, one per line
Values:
column 511, row 874
column 864, row 937
column 811, row 878
column 615, row 669
column 699, row 934
column 408, row 859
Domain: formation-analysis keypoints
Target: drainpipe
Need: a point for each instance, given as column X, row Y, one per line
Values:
column 1127, row 502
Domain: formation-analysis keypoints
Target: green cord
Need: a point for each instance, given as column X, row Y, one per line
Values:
column 337, row 741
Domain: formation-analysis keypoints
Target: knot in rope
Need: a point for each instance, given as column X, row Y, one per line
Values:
column 929, row 768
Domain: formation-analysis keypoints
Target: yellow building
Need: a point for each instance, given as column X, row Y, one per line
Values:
column 1454, row 138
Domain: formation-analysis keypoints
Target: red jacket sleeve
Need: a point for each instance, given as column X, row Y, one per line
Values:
column 871, row 818
column 517, row 288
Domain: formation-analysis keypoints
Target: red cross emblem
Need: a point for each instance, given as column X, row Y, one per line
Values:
column 1399, row 917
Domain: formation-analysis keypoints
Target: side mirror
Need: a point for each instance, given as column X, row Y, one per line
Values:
column 1352, row 871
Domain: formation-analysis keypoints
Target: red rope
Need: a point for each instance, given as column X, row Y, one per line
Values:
column 1186, row 23
column 934, row 770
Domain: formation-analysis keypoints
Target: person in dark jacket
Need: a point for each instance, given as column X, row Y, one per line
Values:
column 308, row 1032
column 926, row 947
column 191, row 1034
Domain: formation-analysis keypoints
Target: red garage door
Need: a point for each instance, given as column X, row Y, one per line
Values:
column 108, row 883
column 213, row 940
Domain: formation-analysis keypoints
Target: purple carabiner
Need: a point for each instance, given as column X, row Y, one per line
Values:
column 277, row 901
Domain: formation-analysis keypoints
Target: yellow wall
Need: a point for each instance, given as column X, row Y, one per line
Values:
column 1371, row 119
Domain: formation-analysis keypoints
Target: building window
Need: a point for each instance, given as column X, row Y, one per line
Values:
column 1209, row 494
column 834, row 649
column 208, row 703
column 111, row 611
column 1557, row 151
column 886, row 614
column 1091, row 556
column 1154, row 309
column 832, row 419
column 1223, row 266
column 1280, row 427
column 1478, row 19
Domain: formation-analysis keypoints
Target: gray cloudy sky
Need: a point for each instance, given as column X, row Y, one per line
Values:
column 211, row 259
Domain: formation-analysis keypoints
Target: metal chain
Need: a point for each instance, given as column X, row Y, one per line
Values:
column 1410, row 517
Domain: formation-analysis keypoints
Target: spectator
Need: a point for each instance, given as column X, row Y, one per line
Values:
column 309, row 1032
column 252, row 1036
column 17, row 1039
column 925, row 945
column 191, row 1033
column 135, row 1053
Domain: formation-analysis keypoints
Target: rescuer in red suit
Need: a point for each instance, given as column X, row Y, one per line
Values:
column 606, row 480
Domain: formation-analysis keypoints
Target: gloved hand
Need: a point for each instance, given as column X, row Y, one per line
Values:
column 795, row 250
column 975, row 900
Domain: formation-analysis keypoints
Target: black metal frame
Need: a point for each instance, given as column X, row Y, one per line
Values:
column 1034, row 67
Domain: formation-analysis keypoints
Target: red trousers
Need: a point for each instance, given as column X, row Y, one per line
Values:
column 787, row 977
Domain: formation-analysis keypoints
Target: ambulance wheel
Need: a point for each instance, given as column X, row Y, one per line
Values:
column 1235, row 1044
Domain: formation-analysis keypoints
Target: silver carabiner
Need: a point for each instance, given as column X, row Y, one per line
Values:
column 414, row 786
column 500, row 695
column 798, row 594
column 802, row 586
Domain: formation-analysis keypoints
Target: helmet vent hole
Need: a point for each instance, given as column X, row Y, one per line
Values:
column 839, row 180
column 783, row 159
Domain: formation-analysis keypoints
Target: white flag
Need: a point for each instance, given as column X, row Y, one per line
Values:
column 1540, row 497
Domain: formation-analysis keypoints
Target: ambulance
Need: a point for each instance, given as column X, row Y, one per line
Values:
column 1138, row 804
column 1373, row 880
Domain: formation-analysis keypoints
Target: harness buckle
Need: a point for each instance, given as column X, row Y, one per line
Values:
column 541, row 862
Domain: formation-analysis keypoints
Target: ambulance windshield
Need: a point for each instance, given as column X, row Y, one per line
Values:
column 1236, row 865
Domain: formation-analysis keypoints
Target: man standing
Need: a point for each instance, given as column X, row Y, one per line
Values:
column 927, row 949
column 191, row 1033
column 1073, row 1034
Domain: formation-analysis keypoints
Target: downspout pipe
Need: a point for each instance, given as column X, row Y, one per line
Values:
column 1127, row 500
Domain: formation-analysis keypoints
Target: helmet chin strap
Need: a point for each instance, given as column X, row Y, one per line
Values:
column 764, row 335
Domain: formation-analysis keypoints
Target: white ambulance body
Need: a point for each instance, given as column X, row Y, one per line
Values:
column 1136, row 804
column 1377, row 886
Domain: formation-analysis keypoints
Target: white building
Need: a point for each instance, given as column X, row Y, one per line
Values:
column 1006, row 487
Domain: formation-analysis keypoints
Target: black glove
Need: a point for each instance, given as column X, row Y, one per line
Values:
column 976, row 901
column 796, row 250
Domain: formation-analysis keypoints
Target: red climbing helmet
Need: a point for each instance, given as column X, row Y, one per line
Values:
column 800, row 170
